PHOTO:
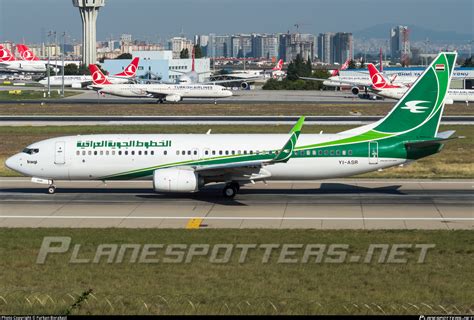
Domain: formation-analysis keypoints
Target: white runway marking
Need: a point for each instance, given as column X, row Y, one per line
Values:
column 241, row 218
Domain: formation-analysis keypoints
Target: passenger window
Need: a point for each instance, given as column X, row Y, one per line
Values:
column 206, row 152
column 120, row 153
column 350, row 152
column 308, row 152
column 189, row 152
column 320, row 152
column 101, row 152
column 113, row 152
column 314, row 152
column 126, row 153
column 213, row 152
column 177, row 152
column 195, row 152
column 145, row 152
column 220, row 152
column 332, row 152
column 89, row 153
column 338, row 152
column 132, row 153
column 232, row 152
column 78, row 152
column 107, row 152
column 83, row 152
column 226, row 152
column 326, row 152
column 183, row 153
column 139, row 153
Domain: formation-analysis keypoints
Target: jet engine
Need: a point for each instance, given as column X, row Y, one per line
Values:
column 355, row 90
column 244, row 85
column 176, row 180
column 173, row 98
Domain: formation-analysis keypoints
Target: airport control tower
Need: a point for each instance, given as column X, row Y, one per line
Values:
column 89, row 10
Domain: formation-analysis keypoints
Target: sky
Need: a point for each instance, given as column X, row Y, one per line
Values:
column 157, row 20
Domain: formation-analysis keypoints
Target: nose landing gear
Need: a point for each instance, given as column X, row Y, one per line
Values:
column 52, row 189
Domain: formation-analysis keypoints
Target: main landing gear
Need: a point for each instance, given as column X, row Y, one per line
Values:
column 231, row 189
column 160, row 101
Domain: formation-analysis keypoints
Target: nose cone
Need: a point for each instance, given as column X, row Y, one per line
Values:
column 12, row 163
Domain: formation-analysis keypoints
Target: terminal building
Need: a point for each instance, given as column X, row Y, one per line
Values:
column 160, row 64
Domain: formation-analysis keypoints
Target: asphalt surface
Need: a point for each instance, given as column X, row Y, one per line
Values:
column 115, row 120
column 240, row 97
column 331, row 204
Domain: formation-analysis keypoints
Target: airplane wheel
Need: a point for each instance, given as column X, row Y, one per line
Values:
column 52, row 190
column 230, row 191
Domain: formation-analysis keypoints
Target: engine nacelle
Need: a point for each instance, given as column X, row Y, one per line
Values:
column 175, row 180
column 244, row 85
column 355, row 90
column 173, row 98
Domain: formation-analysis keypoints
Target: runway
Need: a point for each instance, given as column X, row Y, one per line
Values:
column 331, row 204
column 38, row 120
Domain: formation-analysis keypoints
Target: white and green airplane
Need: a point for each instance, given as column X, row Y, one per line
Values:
column 187, row 162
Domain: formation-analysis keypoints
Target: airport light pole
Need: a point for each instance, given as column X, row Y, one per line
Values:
column 48, row 72
column 62, row 69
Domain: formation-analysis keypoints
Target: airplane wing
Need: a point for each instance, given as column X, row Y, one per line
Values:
column 232, row 80
column 352, row 83
column 248, row 166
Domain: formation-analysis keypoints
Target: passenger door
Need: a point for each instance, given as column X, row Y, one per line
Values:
column 59, row 153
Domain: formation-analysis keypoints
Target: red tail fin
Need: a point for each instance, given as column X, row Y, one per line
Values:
column 6, row 55
column 98, row 78
column 278, row 66
column 26, row 53
column 335, row 72
column 131, row 70
column 378, row 81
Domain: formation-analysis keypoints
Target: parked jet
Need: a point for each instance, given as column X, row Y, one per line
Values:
column 383, row 88
column 80, row 81
column 163, row 92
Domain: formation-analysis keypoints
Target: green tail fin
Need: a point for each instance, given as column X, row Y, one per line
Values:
column 418, row 113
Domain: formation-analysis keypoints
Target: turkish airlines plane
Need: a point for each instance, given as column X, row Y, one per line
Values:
column 187, row 162
column 383, row 88
column 83, row 80
column 8, row 62
column 163, row 92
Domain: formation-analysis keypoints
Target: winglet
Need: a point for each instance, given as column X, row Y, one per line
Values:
column 285, row 153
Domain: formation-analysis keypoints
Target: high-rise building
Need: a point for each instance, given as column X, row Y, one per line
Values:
column 325, row 47
column 265, row 46
column 292, row 44
column 343, row 47
column 219, row 46
column 399, row 43
column 89, row 10
column 177, row 44
column 241, row 45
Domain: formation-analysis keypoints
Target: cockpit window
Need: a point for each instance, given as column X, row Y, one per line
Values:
column 30, row 151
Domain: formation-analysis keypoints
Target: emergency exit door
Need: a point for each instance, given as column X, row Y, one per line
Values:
column 373, row 152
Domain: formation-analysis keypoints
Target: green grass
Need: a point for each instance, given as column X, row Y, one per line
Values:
column 33, row 94
column 102, row 107
column 454, row 161
column 442, row 284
